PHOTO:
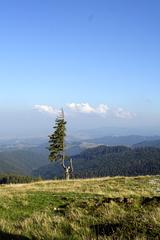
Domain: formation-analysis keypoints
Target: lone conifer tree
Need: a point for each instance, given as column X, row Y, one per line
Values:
column 57, row 144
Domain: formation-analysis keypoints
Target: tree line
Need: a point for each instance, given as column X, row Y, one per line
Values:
column 8, row 179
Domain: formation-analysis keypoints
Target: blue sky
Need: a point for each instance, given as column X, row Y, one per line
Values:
column 58, row 52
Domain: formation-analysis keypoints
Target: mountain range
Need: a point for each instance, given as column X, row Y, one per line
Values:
column 31, row 157
column 108, row 161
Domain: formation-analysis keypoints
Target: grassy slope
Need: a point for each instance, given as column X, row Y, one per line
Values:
column 105, row 208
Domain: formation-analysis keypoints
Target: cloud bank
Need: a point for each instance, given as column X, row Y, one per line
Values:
column 86, row 108
column 101, row 109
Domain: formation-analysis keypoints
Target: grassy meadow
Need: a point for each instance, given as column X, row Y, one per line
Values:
column 104, row 208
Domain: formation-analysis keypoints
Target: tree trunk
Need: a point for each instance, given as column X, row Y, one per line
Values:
column 67, row 173
column 67, row 169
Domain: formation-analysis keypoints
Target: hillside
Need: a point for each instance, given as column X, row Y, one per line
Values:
column 22, row 156
column 108, row 161
column 89, row 161
column 25, row 156
column 28, row 159
column 105, row 208
column 22, row 161
column 155, row 143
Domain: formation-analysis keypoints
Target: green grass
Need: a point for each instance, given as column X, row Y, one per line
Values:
column 105, row 208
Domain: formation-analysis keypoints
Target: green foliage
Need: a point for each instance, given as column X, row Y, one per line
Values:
column 7, row 179
column 118, row 160
column 56, row 140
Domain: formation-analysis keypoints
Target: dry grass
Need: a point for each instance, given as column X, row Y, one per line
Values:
column 104, row 208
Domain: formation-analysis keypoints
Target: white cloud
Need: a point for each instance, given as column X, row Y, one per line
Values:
column 124, row 114
column 101, row 109
column 80, row 107
column 46, row 108
column 87, row 108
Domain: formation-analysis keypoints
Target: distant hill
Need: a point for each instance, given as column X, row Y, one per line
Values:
column 108, row 161
column 84, row 134
column 122, row 140
column 25, row 160
column 20, row 143
column 21, row 161
column 155, row 143
column 33, row 157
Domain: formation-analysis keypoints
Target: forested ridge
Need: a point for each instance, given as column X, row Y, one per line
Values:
column 109, row 161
